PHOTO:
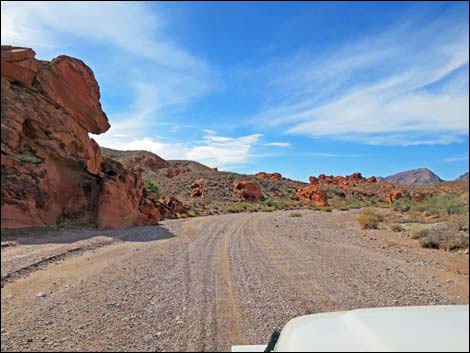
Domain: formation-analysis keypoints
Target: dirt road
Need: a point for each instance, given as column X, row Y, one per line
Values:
column 208, row 283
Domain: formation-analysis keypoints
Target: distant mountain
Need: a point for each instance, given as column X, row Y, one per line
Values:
column 421, row 176
column 462, row 177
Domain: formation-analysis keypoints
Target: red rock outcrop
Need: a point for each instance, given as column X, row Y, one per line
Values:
column 177, row 170
column 51, row 168
column 347, row 181
column 247, row 190
column 153, row 163
column 395, row 196
column 313, row 195
column 121, row 203
column 271, row 176
column 418, row 196
column 170, row 207
column 198, row 188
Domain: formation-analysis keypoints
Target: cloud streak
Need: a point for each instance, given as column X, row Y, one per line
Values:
column 212, row 149
column 400, row 87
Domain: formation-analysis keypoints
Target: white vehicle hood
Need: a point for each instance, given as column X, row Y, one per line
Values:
column 423, row 328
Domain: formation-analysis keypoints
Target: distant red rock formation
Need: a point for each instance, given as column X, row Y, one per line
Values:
column 177, row 170
column 247, row 190
column 311, row 194
column 271, row 176
column 350, row 180
column 395, row 196
column 153, row 163
column 198, row 188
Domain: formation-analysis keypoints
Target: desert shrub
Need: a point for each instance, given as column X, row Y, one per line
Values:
column 325, row 208
column 419, row 232
column 265, row 208
column 191, row 213
column 459, row 222
column 429, row 241
column 149, row 185
column 434, row 205
column 369, row 219
column 270, row 203
column 277, row 204
column 295, row 214
column 444, row 238
column 396, row 227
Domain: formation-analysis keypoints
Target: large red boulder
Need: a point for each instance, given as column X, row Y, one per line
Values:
column 395, row 196
column 311, row 194
column 198, row 188
column 247, row 190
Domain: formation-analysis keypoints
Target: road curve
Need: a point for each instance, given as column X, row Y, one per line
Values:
column 212, row 282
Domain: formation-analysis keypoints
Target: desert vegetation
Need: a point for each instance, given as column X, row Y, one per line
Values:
column 437, row 222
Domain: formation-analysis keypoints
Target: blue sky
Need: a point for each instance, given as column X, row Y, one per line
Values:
column 298, row 88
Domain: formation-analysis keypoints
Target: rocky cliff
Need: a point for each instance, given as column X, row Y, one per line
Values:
column 51, row 169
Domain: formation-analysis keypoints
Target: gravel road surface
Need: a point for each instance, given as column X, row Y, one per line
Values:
column 206, row 283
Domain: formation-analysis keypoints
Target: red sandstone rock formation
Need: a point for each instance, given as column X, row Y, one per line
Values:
column 146, row 163
column 348, row 181
column 198, row 188
column 271, row 176
column 313, row 195
column 247, row 190
column 170, row 207
column 418, row 196
column 394, row 196
column 171, row 173
column 51, row 169
column 121, row 203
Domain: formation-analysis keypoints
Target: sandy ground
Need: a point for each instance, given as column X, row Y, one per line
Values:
column 208, row 283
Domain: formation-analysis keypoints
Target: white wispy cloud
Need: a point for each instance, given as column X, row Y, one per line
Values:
column 406, row 86
column 143, row 60
column 278, row 144
column 212, row 150
column 457, row 158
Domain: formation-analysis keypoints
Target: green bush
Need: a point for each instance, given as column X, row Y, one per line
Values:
column 149, row 185
column 277, row 204
column 432, row 205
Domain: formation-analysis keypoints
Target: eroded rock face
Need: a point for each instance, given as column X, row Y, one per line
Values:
column 146, row 162
column 271, row 176
column 51, row 168
column 311, row 194
column 247, row 190
column 170, row 207
column 395, row 196
column 344, row 182
column 198, row 188
column 121, row 203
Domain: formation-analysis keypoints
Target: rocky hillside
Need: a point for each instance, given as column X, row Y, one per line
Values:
column 463, row 177
column 421, row 176
column 199, row 186
column 210, row 191
column 52, row 171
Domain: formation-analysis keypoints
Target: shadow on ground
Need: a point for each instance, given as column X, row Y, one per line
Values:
column 49, row 235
